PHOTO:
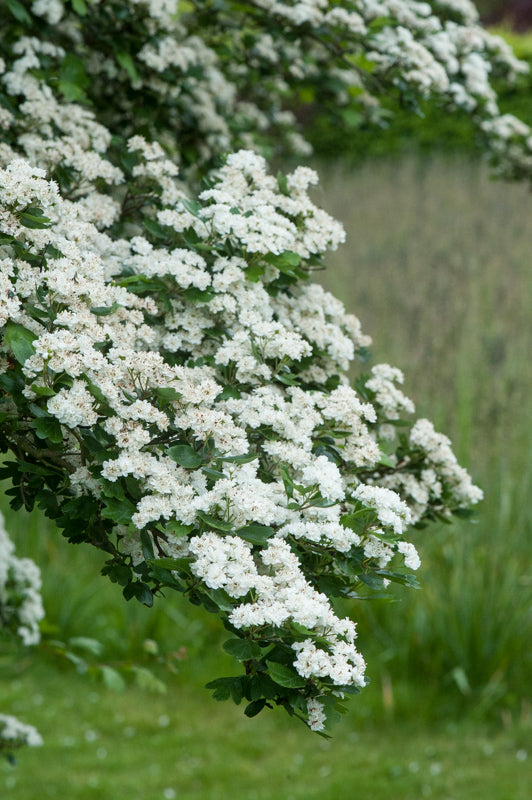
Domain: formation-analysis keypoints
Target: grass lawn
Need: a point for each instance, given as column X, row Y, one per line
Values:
column 100, row 744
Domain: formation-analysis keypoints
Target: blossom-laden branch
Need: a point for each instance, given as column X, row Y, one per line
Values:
column 175, row 389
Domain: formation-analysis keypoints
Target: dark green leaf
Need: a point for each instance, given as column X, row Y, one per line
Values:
column 222, row 601
column 256, row 534
column 18, row 11
column 255, row 707
column 126, row 62
column 177, row 564
column 72, row 70
column 155, row 228
column 119, row 511
column 185, row 455
column 104, row 311
column 177, row 528
column 242, row 649
column 285, row 676
column 223, row 688
column 20, row 340
column 195, row 295
column 48, row 428
column 140, row 591
column 213, row 522
column 42, row 391
column 34, row 220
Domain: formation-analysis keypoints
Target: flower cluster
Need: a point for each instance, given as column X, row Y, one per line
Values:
column 174, row 387
column 15, row 734
column 21, row 610
column 21, row 607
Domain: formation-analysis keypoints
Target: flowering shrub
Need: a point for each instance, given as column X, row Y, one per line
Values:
column 21, row 610
column 175, row 389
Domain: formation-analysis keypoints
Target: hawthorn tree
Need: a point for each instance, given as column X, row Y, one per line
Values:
column 174, row 386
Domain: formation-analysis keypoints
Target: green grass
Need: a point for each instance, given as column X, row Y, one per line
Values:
column 182, row 745
column 437, row 268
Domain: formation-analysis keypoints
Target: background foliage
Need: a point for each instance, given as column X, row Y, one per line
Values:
column 429, row 128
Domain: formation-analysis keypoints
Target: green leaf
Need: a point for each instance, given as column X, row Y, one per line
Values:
column 255, row 707
column 18, row 11
column 243, row 459
column 118, row 573
column 20, row 340
column 254, row 272
column 256, row 534
column 282, row 183
column 145, row 679
column 155, row 228
column 195, row 295
column 214, row 474
column 48, row 428
column 104, row 311
column 332, row 709
column 147, row 546
column 42, row 391
column 185, row 455
column 192, row 206
column 262, row 686
column 112, row 678
column 34, row 218
column 140, row 591
column 288, row 259
column 220, row 598
column 126, row 62
column 79, row 7
column 213, row 522
column 72, row 70
column 177, row 528
column 85, row 643
column 177, row 564
column 224, row 688
column 242, row 649
column 119, row 511
column 373, row 581
column 285, row 676
column 167, row 393
column 288, row 482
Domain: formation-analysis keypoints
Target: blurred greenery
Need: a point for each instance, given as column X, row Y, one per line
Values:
column 182, row 746
column 430, row 128
column 437, row 267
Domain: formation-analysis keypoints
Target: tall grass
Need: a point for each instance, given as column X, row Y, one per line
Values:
column 437, row 267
